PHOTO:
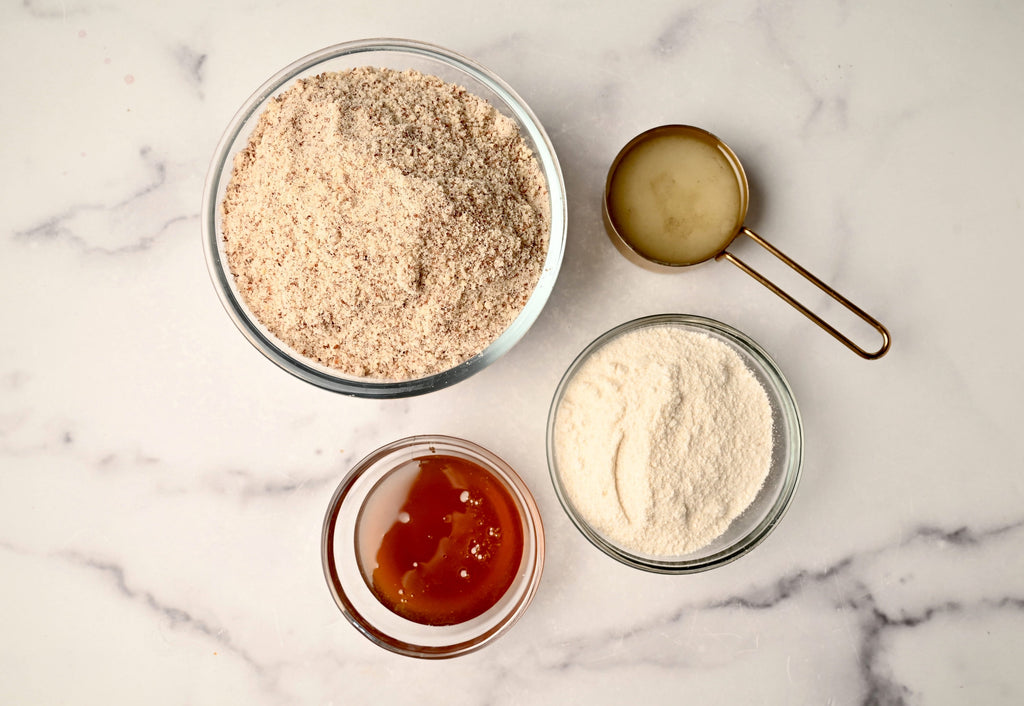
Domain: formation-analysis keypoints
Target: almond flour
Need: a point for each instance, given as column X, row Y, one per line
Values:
column 387, row 224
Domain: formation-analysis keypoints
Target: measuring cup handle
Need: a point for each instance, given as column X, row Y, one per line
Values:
column 886, row 341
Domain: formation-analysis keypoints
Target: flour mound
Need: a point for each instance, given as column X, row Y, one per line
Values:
column 662, row 438
column 387, row 224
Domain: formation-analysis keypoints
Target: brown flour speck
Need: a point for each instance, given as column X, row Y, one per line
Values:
column 387, row 224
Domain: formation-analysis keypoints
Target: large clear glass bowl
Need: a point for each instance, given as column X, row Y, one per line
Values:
column 773, row 499
column 398, row 54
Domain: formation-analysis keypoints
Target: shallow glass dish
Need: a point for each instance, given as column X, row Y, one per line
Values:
column 773, row 499
column 400, row 55
column 352, row 505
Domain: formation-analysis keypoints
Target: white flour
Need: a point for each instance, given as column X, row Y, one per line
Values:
column 662, row 438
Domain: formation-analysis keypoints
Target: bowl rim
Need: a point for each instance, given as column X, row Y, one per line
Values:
column 305, row 369
column 533, row 527
column 780, row 392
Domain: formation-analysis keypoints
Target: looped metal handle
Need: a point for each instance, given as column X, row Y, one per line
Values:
column 886, row 340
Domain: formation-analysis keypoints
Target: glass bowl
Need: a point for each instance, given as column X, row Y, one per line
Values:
column 353, row 509
column 395, row 54
column 755, row 523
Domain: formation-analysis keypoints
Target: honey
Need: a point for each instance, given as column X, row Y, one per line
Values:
column 451, row 545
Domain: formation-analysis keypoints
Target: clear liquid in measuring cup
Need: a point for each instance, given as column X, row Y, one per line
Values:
column 676, row 197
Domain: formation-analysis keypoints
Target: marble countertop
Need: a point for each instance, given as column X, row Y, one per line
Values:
column 162, row 485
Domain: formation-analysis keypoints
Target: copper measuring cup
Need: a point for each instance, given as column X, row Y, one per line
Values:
column 723, row 236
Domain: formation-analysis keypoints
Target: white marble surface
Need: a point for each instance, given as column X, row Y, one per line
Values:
column 162, row 485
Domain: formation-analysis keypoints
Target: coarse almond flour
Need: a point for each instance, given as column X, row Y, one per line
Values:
column 387, row 224
column 662, row 438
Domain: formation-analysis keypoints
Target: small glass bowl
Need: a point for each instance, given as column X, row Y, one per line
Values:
column 398, row 54
column 340, row 554
column 767, row 509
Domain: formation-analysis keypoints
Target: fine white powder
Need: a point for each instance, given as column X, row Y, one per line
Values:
column 662, row 438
